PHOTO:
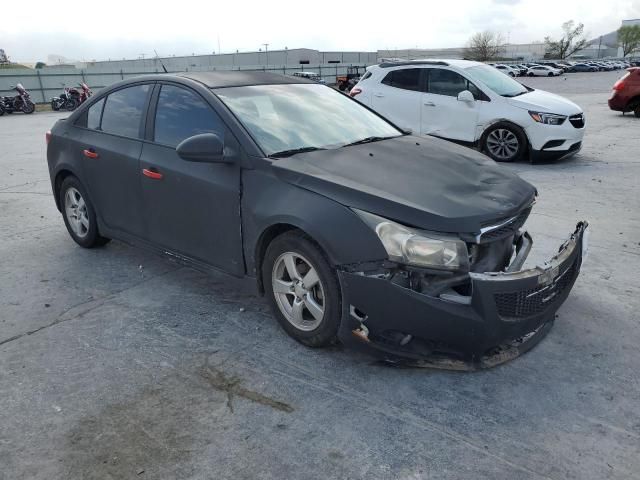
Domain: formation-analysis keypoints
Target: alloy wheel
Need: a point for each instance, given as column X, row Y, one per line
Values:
column 502, row 143
column 76, row 212
column 298, row 291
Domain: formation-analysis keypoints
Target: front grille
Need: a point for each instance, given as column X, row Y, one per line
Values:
column 577, row 120
column 514, row 306
column 505, row 230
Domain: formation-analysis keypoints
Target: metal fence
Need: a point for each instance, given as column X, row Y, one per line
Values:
column 45, row 83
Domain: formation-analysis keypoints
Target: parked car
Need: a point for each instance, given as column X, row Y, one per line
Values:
column 543, row 71
column 247, row 173
column 584, row 67
column 506, row 70
column 555, row 65
column 625, row 96
column 473, row 103
column 310, row 76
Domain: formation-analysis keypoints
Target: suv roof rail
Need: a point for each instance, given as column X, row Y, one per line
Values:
column 412, row 62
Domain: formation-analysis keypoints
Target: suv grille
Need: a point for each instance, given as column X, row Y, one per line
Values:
column 505, row 230
column 514, row 306
column 577, row 120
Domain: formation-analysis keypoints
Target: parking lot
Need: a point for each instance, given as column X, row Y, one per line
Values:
column 116, row 363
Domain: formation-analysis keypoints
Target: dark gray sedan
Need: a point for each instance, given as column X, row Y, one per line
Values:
column 355, row 230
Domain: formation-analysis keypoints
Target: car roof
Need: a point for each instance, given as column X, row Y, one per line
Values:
column 222, row 79
column 432, row 61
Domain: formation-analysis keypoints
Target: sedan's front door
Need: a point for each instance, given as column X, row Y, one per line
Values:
column 191, row 208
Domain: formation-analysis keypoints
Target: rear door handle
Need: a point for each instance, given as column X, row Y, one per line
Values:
column 152, row 174
column 429, row 104
column 90, row 153
column 379, row 95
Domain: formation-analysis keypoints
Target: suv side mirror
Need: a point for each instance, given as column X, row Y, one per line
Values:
column 466, row 96
column 205, row 147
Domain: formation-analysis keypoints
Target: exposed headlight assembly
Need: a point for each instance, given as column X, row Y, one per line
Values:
column 548, row 118
column 416, row 247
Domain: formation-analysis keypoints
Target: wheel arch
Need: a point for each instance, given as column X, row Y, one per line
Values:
column 493, row 123
column 63, row 173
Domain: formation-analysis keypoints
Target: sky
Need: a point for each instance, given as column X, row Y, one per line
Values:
column 126, row 29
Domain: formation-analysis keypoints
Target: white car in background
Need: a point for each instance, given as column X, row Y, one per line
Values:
column 474, row 104
column 512, row 72
column 543, row 71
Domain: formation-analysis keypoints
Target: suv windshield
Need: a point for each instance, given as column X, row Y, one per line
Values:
column 496, row 80
column 287, row 118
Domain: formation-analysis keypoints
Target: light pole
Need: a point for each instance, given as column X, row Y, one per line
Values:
column 266, row 50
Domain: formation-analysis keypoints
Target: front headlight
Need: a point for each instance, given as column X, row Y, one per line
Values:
column 419, row 248
column 548, row 118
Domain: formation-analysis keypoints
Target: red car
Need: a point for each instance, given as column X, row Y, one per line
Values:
column 626, row 93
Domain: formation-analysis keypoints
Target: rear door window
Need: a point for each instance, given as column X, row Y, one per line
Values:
column 406, row 79
column 181, row 114
column 123, row 111
column 94, row 114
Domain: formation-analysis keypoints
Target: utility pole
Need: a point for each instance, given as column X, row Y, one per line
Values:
column 266, row 49
column 599, row 45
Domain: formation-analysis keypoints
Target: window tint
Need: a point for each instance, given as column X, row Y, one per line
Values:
column 93, row 115
column 407, row 79
column 181, row 114
column 366, row 75
column 446, row 82
column 123, row 111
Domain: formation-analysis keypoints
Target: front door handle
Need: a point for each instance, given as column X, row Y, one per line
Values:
column 90, row 153
column 429, row 104
column 379, row 95
column 152, row 174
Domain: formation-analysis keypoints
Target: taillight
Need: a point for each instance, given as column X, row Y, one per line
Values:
column 355, row 91
column 47, row 136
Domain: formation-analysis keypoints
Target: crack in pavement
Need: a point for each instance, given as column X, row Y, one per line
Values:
column 80, row 309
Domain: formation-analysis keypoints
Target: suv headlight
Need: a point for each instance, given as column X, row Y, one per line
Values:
column 548, row 118
column 416, row 247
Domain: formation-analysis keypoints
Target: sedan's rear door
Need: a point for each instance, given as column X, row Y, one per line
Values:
column 110, row 146
column 191, row 208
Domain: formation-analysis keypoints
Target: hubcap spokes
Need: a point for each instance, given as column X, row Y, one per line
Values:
column 298, row 291
column 502, row 143
column 76, row 212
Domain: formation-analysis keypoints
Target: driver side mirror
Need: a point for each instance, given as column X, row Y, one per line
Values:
column 205, row 148
column 466, row 96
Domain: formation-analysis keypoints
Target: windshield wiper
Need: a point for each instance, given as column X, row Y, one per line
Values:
column 516, row 94
column 293, row 151
column 365, row 140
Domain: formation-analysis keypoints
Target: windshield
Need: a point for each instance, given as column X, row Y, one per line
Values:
column 291, row 117
column 497, row 81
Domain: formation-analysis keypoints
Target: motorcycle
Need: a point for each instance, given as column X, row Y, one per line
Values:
column 71, row 97
column 20, row 103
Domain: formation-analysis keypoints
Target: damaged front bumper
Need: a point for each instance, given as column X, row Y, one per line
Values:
column 503, row 315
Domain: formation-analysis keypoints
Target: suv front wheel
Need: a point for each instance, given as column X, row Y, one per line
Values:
column 504, row 142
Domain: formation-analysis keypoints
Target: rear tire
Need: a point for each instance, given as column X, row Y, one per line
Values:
column 504, row 142
column 310, row 313
column 530, row 74
column 79, row 214
column 71, row 104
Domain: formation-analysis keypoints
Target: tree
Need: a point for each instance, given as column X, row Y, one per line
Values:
column 571, row 42
column 41, row 65
column 629, row 39
column 484, row 46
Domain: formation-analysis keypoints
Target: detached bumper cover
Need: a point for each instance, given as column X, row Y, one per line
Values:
column 506, row 314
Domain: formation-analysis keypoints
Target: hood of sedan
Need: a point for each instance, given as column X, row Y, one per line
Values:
column 422, row 182
column 541, row 101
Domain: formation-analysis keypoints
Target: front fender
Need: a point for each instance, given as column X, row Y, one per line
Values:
column 268, row 201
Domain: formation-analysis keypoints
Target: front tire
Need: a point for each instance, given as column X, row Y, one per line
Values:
column 79, row 214
column 28, row 107
column 303, row 289
column 504, row 142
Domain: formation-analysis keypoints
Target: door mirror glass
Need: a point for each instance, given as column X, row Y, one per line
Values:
column 466, row 96
column 205, row 147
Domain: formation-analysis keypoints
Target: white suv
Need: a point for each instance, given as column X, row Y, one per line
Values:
column 475, row 104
